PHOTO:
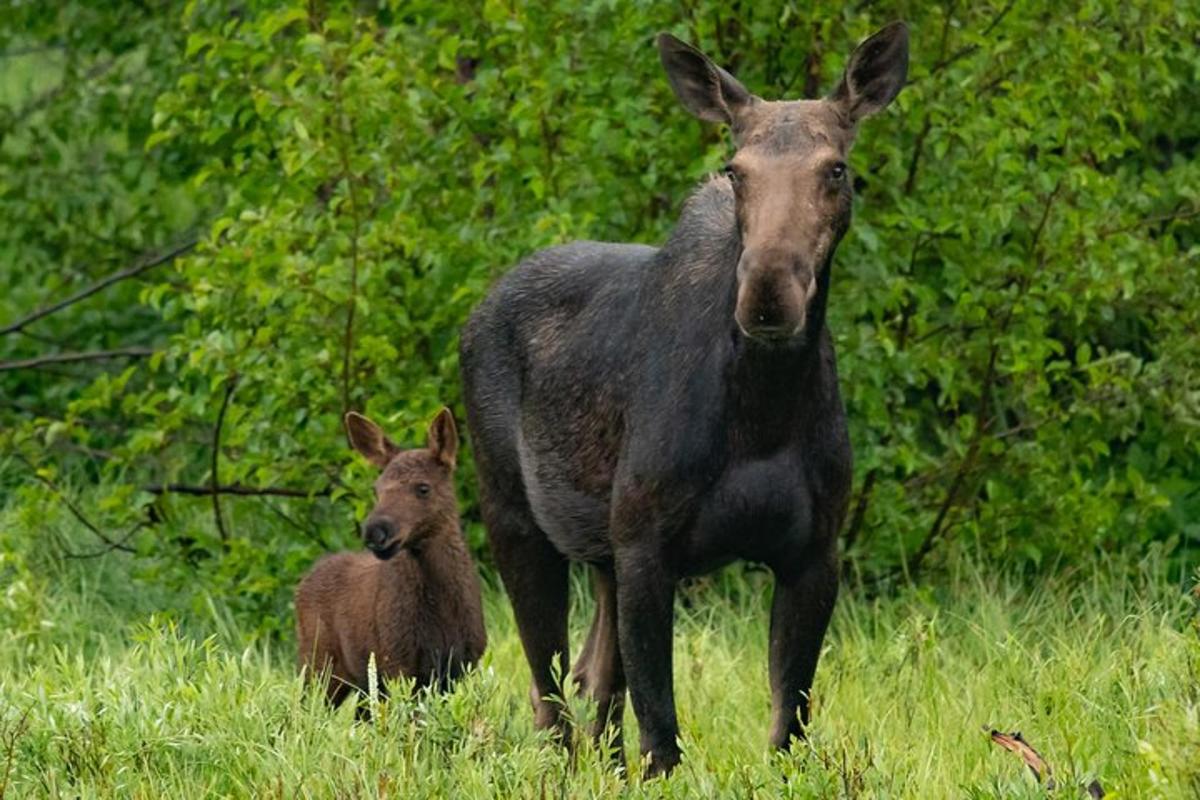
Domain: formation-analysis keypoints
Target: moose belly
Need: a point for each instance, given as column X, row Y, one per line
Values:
column 575, row 521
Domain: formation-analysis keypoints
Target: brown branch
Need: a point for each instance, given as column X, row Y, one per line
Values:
column 970, row 49
column 236, row 489
column 860, row 508
column 75, row 511
column 344, row 141
column 11, row 737
column 910, row 182
column 146, row 263
column 230, row 385
column 937, row 529
column 74, row 358
column 311, row 533
column 1183, row 213
column 119, row 543
column 812, row 65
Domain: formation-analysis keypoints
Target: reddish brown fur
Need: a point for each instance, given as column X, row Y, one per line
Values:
column 415, row 602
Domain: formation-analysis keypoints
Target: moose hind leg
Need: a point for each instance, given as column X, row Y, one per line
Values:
column 800, row 613
column 599, row 672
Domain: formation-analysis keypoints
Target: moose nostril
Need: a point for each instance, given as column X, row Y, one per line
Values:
column 377, row 534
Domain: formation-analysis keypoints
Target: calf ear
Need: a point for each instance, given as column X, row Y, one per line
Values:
column 876, row 73
column 705, row 89
column 368, row 439
column 443, row 438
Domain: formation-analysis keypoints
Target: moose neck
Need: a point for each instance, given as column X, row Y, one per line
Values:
column 441, row 559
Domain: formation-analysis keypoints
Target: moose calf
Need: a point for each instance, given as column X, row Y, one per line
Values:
column 414, row 601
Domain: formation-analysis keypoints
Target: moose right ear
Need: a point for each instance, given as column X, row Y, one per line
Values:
column 369, row 440
column 876, row 73
column 705, row 89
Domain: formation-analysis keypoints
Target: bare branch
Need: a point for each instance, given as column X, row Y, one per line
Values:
column 230, row 385
column 11, row 736
column 1182, row 213
column 119, row 543
column 235, row 489
column 969, row 49
column 72, row 358
column 144, row 264
column 75, row 512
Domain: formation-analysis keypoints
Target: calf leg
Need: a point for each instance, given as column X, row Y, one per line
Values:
column 800, row 614
column 535, row 576
column 599, row 672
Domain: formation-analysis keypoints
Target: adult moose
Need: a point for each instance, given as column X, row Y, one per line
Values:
column 661, row 412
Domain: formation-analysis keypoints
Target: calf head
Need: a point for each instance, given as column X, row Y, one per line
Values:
column 789, row 174
column 414, row 493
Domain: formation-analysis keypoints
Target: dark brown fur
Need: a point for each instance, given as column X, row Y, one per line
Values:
column 415, row 600
column 660, row 412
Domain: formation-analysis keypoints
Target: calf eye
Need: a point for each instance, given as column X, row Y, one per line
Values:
column 838, row 171
column 422, row 489
column 729, row 171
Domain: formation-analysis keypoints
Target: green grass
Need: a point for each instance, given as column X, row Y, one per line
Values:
column 102, row 696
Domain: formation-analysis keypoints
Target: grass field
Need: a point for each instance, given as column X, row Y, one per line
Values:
column 107, row 689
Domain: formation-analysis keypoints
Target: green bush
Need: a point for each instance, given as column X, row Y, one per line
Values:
column 1015, row 307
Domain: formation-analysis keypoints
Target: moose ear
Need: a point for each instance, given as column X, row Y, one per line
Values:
column 443, row 438
column 876, row 73
column 368, row 439
column 705, row 89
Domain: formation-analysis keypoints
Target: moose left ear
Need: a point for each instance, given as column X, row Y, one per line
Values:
column 443, row 438
column 876, row 73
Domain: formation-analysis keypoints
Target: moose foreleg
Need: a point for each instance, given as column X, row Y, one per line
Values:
column 645, row 606
column 800, row 613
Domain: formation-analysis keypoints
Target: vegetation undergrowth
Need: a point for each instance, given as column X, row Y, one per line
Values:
column 110, row 688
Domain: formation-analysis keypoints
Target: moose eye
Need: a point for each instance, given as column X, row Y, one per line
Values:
column 730, row 171
column 838, row 172
column 422, row 489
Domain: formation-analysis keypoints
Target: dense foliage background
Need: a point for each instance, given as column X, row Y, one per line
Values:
column 223, row 226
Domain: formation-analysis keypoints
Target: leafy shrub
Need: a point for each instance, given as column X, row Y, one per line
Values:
column 1014, row 306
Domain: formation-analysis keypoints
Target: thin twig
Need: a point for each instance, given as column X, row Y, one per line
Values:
column 235, row 489
column 969, row 49
column 75, row 512
column 146, row 263
column 74, row 358
column 11, row 737
column 311, row 533
column 938, row 528
column 119, row 543
column 230, row 385
column 860, row 508
column 345, row 140
column 1183, row 213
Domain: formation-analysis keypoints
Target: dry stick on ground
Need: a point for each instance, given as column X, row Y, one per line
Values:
column 1015, row 743
column 230, row 385
column 74, row 358
column 146, row 263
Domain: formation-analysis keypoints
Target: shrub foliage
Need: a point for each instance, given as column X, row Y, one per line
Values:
column 264, row 214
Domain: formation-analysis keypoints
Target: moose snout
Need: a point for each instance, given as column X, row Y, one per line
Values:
column 377, row 533
column 773, row 296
